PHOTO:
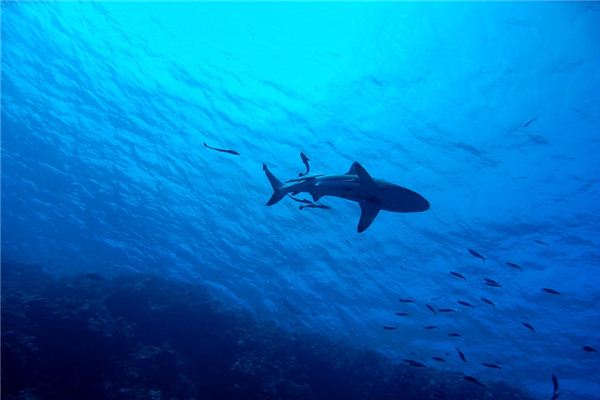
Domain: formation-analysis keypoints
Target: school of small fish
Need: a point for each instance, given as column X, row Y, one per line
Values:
column 487, row 364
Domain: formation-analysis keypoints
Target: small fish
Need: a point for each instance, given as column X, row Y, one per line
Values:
column 473, row 380
column 300, row 200
column 458, row 275
column 541, row 242
column 488, row 301
column 305, row 160
column 323, row 206
column 526, row 124
column 414, row 363
column 555, row 391
column 440, row 359
column 491, row 365
column 513, row 265
column 477, row 255
column 389, row 327
column 401, row 314
column 464, row 303
column 406, row 300
column 551, row 291
column 589, row 349
column 304, row 179
column 528, row 326
column 235, row 153
column 431, row 308
column 430, row 327
column 446, row 310
column 491, row 282
column 462, row 356
column 454, row 334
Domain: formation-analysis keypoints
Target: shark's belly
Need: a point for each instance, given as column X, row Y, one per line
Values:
column 383, row 195
column 389, row 198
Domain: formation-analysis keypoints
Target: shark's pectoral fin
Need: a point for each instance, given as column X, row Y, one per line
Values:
column 368, row 212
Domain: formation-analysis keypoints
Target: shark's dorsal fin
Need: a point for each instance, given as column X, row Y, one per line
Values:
column 352, row 170
column 368, row 212
column 363, row 176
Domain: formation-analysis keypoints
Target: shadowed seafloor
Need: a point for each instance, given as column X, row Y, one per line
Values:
column 146, row 337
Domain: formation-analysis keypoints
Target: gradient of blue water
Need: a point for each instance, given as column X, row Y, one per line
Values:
column 105, row 108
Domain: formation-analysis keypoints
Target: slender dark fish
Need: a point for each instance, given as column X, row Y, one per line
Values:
column 551, row 291
column 462, row 356
column 300, row 200
column 541, row 242
column 555, row 391
column 454, row 334
column 401, row 314
column 589, row 349
column 513, row 265
column 323, row 206
column 414, row 363
column 488, row 301
column 477, row 254
column 473, row 380
column 430, row 308
column 235, row 153
column 430, row 327
column 304, row 179
column 491, row 365
column 458, row 275
column 440, row 359
column 389, row 328
column 491, row 282
column 528, row 326
column 305, row 160
column 526, row 124
column 406, row 300
column 446, row 310
column 439, row 394
column 464, row 303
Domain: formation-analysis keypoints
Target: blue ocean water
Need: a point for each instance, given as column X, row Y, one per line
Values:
column 488, row 110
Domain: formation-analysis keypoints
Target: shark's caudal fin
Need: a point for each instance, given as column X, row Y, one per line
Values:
column 276, row 184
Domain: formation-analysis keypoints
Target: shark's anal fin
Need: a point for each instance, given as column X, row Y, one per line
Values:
column 363, row 176
column 368, row 212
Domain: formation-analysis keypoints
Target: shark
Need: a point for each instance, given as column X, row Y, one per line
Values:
column 372, row 195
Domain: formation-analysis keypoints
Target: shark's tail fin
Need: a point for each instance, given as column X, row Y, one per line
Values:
column 278, row 194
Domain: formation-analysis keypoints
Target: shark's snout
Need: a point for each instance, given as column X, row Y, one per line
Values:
column 421, row 203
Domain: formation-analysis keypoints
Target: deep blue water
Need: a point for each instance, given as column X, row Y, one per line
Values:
column 490, row 111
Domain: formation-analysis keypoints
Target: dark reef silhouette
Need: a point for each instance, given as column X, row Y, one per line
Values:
column 147, row 337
